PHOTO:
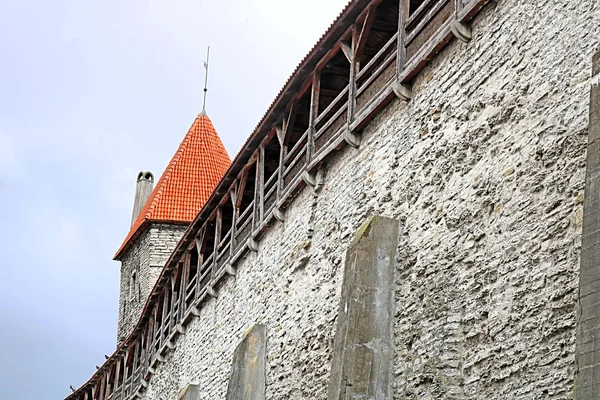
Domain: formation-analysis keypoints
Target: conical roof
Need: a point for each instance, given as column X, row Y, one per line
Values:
column 188, row 181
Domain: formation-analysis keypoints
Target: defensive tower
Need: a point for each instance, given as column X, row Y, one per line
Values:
column 161, row 215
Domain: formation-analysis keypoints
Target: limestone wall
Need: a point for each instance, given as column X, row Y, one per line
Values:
column 146, row 257
column 485, row 170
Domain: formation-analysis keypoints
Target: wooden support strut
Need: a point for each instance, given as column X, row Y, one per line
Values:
column 366, row 28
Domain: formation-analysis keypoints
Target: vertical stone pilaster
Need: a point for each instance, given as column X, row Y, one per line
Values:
column 362, row 363
column 588, row 327
column 247, row 381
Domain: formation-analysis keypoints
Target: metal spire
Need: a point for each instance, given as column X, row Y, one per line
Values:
column 205, row 81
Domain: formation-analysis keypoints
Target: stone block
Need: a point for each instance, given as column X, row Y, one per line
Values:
column 247, row 381
column 364, row 340
column 588, row 329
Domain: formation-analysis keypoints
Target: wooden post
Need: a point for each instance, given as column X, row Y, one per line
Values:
column 106, row 385
column 164, row 321
column 261, row 184
column 401, row 58
column 185, row 278
column 233, row 199
column 118, row 373
column 314, row 113
column 280, row 136
column 126, row 370
column 174, row 295
column 256, row 197
column 218, row 225
column 352, row 84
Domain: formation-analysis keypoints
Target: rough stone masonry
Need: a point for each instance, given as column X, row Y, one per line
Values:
column 485, row 168
column 140, row 268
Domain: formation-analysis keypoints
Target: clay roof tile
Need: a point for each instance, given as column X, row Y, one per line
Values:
column 188, row 181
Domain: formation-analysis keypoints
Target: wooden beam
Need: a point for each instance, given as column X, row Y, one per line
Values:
column 347, row 49
column 233, row 197
column 366, row 29
column 241, row 188
column 261, row 182
column 401, row 55
column 353, row 72
column 314, row 111
column 256, row 195
column 279, row 133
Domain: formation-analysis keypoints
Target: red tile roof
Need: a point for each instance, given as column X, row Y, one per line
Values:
column 191, row 176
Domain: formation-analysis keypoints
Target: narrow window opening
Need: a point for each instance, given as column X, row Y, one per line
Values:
column 133, row 285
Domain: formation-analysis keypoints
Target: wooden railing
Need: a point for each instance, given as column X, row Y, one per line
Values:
column 420, row 35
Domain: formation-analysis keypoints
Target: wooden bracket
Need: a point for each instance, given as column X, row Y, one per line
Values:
column 160, row 358
column 211, row 291
column 279, row 214
column 195, row 311
column 252, row 244
column 279, row 133
column 403, row 91
column 180, row 328
column 366, row 28
column 231, row 271
column 309, row 179
column 462, row 31
column 353, row 139
column 170, row 345
column 346, row 49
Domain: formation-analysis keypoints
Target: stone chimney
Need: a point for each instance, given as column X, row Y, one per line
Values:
column 143, row 189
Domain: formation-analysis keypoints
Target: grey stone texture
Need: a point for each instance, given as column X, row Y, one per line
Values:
column 588, row 337
column 145, row 258
column 485, row 169
column 362, row 364
column 248, row 370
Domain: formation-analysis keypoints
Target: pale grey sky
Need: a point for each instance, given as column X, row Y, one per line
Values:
column 91, row 92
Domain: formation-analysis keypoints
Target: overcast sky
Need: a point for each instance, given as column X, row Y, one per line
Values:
column 91, row 92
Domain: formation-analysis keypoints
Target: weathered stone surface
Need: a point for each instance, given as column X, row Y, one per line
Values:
column 146, row 257
column 485, row 168
column 588, row 332
column 247, row 381
column 364, row 341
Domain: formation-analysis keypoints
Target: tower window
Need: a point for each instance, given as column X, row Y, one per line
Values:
column 132, row 285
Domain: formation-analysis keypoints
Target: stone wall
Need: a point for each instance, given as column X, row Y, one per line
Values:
column 146, row 257
column 485, row 169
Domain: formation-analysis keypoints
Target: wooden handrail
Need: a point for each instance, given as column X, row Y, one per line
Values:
column 393, row 41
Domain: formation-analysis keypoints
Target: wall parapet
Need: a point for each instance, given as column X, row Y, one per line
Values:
column 369, row 56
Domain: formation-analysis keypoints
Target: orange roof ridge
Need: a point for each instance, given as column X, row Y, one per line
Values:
column 188, row 181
